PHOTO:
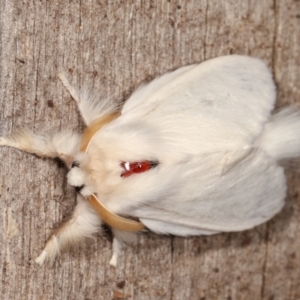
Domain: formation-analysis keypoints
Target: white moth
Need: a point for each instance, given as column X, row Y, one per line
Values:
column 196, row 151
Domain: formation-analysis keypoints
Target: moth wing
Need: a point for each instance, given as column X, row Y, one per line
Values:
column 199, row 123
column 206, row 201
column 146, row 91
column 207, row 104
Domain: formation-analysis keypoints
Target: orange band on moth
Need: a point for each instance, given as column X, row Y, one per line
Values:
column 111, row 219
column 96, row 125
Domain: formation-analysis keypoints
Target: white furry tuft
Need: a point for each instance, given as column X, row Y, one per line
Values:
column 64, row 144
column 91, row 108
column 76, row 177
column 41, row 258
column 89, row 104
column 281, row 136
column 83, row 224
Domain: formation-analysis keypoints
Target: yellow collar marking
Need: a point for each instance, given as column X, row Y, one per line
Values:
column 111, row 219
column 96, row 125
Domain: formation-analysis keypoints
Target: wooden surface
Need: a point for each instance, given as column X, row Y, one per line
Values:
column 113, row 46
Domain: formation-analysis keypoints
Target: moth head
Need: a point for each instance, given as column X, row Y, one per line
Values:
column 77, row 177
column 94, row 173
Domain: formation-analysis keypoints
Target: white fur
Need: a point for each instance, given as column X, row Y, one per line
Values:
column 120, row 237
column 281, row 136
column 117, row 247
column 83, row 224
column 209, row 127
column 76, row 177
column 88, row 103
column 64, row 144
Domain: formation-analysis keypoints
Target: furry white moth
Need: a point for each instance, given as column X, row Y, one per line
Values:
column 196, row 151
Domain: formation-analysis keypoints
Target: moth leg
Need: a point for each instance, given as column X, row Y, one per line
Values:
column 120, row 238
column 89, row 106
column 84, row 223
column 116, row 248
column 72, row 90
column 64, row 144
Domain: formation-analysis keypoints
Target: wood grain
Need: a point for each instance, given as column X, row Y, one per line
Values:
column 112, row 47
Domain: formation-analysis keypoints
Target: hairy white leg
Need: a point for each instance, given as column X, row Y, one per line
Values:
column 120, row 238
column 89, row 105
column 74, row 92
column 83, row 224
column 116, row 247
column 64, row 144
